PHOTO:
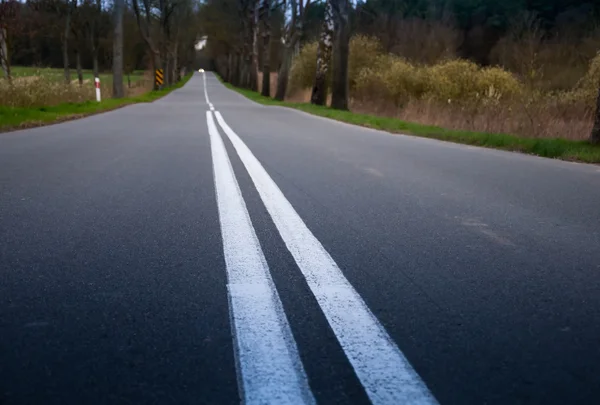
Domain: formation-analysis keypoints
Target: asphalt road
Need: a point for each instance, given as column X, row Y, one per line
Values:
column 204, row 249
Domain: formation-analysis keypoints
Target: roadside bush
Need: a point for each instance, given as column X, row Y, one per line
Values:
column 392, row 79
column 459, row 94
column 363, row 51
column 304, row 67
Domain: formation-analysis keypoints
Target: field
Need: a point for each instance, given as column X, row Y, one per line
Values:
column 56, row 74
column 34, row 87
column 40, row 96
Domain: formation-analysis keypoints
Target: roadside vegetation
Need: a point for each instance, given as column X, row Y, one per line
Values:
column 459, row 94
column 511, row 75
column 47, row 75
column 17, row 117
column 581, row 151
column 32, row 87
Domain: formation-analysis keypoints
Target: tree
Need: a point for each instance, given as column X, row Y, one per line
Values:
column 8, row 22
column 319, row 92
column 92, row 14
column 292, row 34
column 595, row 135
column 4, row 60
column 68, row 9
column 144, row 21
column 339, row 83
column 266, row 45
column 117, row 67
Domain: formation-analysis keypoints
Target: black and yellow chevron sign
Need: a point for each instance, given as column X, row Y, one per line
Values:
column 159, row 77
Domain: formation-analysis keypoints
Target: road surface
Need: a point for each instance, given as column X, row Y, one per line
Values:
column 204, row 249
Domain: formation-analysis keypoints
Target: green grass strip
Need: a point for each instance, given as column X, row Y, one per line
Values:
column 564, row 149
column 17, row 117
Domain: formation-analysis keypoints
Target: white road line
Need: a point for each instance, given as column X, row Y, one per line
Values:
column 205, row 91
column 269, row 367
column 385, row 373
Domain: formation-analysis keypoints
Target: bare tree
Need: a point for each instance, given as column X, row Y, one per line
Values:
column 70, row 6
column 7, row 21
column 293, row 32
column 319, row 91
column 4, row 59
column 595, row 135
column 117, row 66
column 247, row 41
column 93, row 20
column 255, row 10
column 78, row 24
column 339, row 83
column 266, row 37
column 144, row 21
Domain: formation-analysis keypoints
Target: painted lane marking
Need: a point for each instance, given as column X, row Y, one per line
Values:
column 386, row 374
column 269, row 368
column 205, row 91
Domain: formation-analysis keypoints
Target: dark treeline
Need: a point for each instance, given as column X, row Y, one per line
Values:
column 80, row 33
column 476, row 26
column 480, row 24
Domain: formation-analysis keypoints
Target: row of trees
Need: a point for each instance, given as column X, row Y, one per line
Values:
column 134, row 34
column 252, row 37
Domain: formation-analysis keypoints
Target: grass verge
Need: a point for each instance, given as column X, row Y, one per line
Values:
column 12, row 118
column 546, row 147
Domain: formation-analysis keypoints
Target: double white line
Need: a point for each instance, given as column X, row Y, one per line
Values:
column 269, row 367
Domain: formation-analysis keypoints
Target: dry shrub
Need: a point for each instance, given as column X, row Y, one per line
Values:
column 363, row 51
column 35, row 91
column 45, row 90
column 460, row 94
column 460, row 82
column 391, row 79
column 304, row 67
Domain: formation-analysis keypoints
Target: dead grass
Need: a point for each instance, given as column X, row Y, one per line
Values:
column 45, row 90
column 529, row 122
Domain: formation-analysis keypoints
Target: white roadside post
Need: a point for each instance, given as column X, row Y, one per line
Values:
column 97, row 82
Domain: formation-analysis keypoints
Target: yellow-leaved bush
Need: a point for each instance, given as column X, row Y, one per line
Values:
column 376, row 75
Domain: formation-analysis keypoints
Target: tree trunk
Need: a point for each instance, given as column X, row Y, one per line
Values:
column 595, row 135
column 66, row 47
column 339, row 83
column 95, row 62
column 284, row 72
column 167, row 68
column 229, row 68
column 94, row 37
column 246, row 62
column 4, row 57
column 233, row 75
column 174, row 67
column 78, row 67
column 319, row 92
column 254, row 51
column 155, row 63
column 118, row 91
column 266, row 71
